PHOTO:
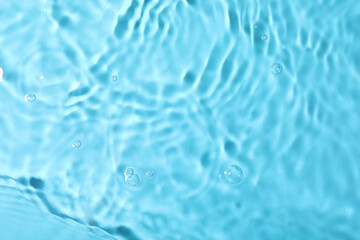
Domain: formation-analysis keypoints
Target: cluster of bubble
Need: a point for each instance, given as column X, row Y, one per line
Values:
column 130, row 177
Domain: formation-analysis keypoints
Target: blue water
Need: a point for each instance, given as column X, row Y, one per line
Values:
column 179, row 119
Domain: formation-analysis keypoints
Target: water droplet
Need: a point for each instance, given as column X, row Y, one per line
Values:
column 132, row 180
column 276, row 68
column 29, row 98
column 128, row 171
column 264, row 37
column 114, row 78
column 41, row 77
column 234, row 174
column 1, row 74
column 150, row 173
column 76, row 144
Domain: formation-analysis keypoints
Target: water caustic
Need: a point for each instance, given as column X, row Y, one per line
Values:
column 236, row 117
column 36, row 183
column 1, row 74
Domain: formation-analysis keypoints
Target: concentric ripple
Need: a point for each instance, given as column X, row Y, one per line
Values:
column 179, row 119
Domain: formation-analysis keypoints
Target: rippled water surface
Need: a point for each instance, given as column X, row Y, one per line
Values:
column 179, row 119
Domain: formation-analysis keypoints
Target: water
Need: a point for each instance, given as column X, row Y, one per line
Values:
column 1, row 74
column 196, row 92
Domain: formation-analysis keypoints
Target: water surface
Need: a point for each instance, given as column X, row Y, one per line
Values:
column 239, row 119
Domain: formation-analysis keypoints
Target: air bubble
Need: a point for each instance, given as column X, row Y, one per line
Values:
column 128, row 171
column 76, row 144
column 29, row 98
column 276, row 68
column 150, row 173
column 234, row 174
column 132, row 180
column 114, row 78
column 264, row 37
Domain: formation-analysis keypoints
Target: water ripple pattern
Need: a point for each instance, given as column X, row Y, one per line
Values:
column 179, row 119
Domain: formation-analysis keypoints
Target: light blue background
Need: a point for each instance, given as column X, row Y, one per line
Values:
column 195, row 94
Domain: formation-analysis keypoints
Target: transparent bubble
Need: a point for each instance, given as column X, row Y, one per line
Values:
column 276, row 68
column 29, row 98
column 114, row 78
column 76, row 144
column 150, row 173
column 234, row 174
column 264, row 37
column 132, row 180
column 129, row 171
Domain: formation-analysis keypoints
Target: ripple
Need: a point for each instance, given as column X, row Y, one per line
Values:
column 195, row 90
column 234, row 22
column 36, row 183
column 1, row 74
column 52, row 62
column 122, row 24
column 126, row 232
